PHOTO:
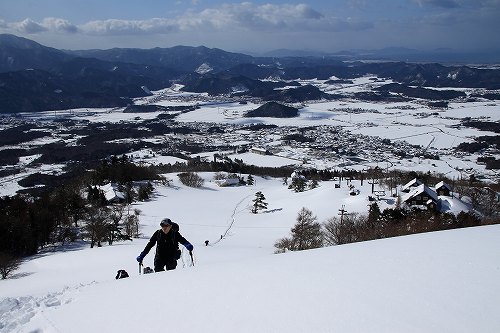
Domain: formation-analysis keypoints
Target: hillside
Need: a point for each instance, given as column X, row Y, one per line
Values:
column 183, row 58
column 435, row 282
column 107, row 76
column 275, row 110
column 17, row 53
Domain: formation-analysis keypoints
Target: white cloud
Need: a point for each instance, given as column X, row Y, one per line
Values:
column 254, row 26
column 249, row 16
column 128, row 27
column 28, row 26
column 244, row 16
column 58, row 24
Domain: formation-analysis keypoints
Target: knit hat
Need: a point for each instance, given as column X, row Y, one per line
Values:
column 165, row 221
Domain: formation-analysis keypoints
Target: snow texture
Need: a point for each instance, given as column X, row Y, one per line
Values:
column 435, row 282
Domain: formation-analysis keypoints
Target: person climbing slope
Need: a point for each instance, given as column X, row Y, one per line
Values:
column 167, row 241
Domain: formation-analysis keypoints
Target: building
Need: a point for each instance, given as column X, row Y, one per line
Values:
column 422, row 195
column 112, row 193
column 408, row 187
column 442, row 188
column 261, row 151
column 228, row 182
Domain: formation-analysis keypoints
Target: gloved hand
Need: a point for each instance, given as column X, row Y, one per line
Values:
column 140, row 257
column 189, row 247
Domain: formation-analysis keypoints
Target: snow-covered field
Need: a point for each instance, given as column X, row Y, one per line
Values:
column 439, row 131
column 435, row 282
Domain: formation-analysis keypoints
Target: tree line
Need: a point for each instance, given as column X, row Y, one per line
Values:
column 347, row 228
column 76, row 210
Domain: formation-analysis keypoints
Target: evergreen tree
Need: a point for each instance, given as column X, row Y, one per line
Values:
column 373, row 213
column 314, row 184
column 298, row 184
column 130, row 194
column 95, row 196
column 145, row 192
column 250, row 180
column 259, row 202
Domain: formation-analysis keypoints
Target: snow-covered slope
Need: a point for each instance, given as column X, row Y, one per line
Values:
column 439, row 282
column 435, row 282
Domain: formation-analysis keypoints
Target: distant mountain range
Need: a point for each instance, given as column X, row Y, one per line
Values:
column 34, row 77
column 182, row 58
column 442, row 55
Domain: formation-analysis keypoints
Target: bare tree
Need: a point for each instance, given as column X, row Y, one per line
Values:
column 220, row 176
column 191, row 179
column 8, row 264
column 348, row 229
column 489, row 203
column 335, row 233
column 116, row 217
column 283, row 245
column 97, row 226
column 306, row 234
column 132, row 224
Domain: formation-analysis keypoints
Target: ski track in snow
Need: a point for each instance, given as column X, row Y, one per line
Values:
column 15, row 313
column 233, row 219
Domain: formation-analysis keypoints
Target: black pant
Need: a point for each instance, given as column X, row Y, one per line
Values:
column 164, row 263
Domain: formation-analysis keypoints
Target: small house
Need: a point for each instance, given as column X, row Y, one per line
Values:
column 261, row 151
column 422, row 195
column 442, row 188
column 408, row 187
column 112, row 193
column 227, row 182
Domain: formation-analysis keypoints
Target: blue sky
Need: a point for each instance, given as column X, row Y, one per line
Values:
column 259, row 26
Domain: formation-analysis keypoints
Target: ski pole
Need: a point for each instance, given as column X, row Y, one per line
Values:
column 191, row 254
column 140, row 268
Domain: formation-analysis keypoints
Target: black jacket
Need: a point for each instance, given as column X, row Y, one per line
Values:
column 167, row 245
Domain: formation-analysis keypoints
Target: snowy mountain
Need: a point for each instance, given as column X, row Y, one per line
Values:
column 35, row 78
column 204, row 69
column 435, row 282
